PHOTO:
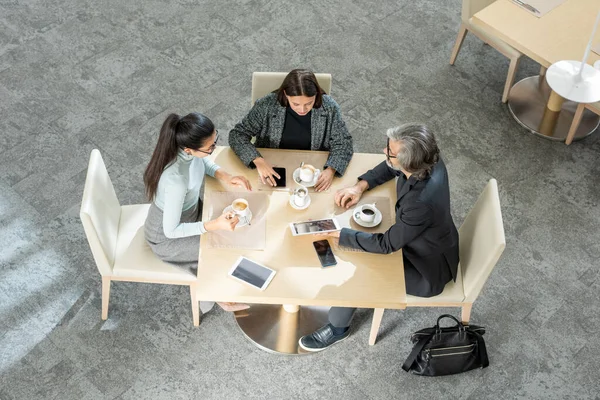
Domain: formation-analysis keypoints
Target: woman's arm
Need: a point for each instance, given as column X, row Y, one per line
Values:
column 210, row 167
column 340, row 142
column 173, row 208
column 241, row 135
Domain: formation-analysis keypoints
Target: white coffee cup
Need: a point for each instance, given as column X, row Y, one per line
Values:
column 367, row 213
column 240, row 207
column 307, row 173
column 300, row 197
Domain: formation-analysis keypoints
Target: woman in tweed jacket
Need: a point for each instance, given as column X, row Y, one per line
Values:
column 298, row 115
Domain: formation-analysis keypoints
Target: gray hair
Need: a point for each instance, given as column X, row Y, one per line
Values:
column 419, row 151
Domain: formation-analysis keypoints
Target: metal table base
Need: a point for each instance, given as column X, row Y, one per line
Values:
column 273, row 329
column 527, row 102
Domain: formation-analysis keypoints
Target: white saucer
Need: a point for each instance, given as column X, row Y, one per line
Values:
column 296, row 177
column 295, row 207
column 376, row 221
column 243, row 220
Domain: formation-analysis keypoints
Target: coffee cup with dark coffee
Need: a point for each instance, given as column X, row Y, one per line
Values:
column 366, row 213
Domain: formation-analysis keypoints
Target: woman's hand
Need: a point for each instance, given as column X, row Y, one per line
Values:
column 325, row 179
column 349, row 196
column 225, row 222
column 265, row 172
column 239, row 180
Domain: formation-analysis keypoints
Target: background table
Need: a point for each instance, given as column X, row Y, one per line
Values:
column 358, row 280
column 562, row 34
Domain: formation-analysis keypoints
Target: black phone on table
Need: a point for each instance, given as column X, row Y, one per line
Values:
column 281, row 182
column 325, row 253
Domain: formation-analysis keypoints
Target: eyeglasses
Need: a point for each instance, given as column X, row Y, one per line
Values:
column 388, row 151
column 212, row 146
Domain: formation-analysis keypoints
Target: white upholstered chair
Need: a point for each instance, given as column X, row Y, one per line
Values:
column 593, row 107
column 469, row 8
column 481, row 243
column 116, row 237
column 264, row 83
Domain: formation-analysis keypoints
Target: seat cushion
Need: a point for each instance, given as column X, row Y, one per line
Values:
column 134, row 258
column 494, row 41
column 453, row 293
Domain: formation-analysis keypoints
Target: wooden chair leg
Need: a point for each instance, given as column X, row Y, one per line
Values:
column 575, row 124
column 105, row 297
column 465, row 314
column 377, row 316
column 195, row 306
column 462, row 32
column 510, row 78
column 543, row 71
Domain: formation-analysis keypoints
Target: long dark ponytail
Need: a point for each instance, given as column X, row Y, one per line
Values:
column 176, row 133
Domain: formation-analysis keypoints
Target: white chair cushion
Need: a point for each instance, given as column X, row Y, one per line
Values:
column 134, row 258
column 453, row 293
column 493, row 41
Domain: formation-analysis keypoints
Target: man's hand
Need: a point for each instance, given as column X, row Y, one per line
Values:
column 334, row 234
column 265, row 171
column 349, row 196
column 325, row 179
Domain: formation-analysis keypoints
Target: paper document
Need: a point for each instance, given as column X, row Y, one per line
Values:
column 539, row 8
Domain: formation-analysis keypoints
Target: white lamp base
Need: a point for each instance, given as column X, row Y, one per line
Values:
column 564, row 78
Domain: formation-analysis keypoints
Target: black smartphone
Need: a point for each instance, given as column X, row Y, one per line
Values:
column 281, row 182
column 324, row 252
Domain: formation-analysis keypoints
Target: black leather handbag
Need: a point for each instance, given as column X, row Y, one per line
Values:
column 446, row 351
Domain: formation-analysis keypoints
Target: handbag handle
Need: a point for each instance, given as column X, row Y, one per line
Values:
column 458, row 323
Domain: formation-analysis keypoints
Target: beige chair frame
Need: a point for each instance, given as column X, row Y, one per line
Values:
column 581, row 107
column 469, row 8
column 482, row 242
column 116, row 238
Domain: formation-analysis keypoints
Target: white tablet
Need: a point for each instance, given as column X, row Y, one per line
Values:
column 311, row 227
column 252, row 273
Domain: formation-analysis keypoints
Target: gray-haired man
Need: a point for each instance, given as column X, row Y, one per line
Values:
column 424, row 228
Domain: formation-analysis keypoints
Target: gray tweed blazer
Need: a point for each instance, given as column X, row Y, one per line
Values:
column 266, row 119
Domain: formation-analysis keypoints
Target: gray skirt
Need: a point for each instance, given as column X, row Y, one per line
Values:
column 182, row 252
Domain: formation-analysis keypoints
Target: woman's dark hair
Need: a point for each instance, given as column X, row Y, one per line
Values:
column 176, row 133
column 300, row 82
column 419, row 151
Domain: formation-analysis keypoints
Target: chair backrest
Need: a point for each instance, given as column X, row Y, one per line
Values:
column 481, row 241
column 100, row 213
column 264, row 83
column 471, row 7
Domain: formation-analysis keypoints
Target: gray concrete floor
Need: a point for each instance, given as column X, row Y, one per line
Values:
column 78, row 75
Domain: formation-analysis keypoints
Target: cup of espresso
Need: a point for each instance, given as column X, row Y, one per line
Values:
column 367, row 213
column 300, row 196
column 307, row 173
column 240, row 207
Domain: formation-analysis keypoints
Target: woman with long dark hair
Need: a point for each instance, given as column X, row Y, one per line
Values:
column 300, row 116
column 173, row 179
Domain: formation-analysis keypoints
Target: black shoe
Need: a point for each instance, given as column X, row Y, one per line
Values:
column 321, row 339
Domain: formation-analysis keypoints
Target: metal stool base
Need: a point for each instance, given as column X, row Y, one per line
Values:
column 527, row 103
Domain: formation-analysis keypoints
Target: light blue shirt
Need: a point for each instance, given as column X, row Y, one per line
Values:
column 178, row 191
